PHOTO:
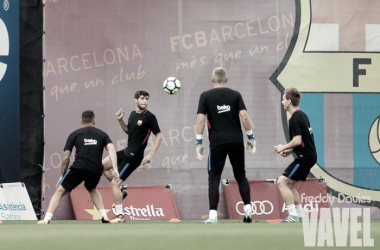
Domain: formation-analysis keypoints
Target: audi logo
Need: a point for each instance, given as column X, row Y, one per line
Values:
column 258, row 207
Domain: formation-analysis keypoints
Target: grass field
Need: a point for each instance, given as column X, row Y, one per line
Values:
column 188, row 234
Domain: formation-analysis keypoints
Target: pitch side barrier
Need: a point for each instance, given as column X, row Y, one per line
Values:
column 143, row 203
column 15, row 202
column 267, row 202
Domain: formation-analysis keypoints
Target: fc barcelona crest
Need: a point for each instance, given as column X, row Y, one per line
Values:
column 337, row 75
column 139, row 122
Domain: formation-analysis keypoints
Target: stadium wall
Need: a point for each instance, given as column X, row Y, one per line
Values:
column 97, row 54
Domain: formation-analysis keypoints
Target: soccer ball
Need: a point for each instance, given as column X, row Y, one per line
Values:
column 172, row 85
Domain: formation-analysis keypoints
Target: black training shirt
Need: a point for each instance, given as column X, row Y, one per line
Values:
column 222, row 106
column 89, row 143
column 299, row 124
column 139, row 127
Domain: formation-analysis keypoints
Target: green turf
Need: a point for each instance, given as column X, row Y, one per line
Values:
column 93, row 235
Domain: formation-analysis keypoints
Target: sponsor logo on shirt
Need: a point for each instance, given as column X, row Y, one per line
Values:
column 139, row 122
column 310, row 130
column 90, row 142
column 223, row 108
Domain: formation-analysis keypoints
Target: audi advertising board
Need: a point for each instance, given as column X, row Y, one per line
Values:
column 267, row 202
column 9, row 92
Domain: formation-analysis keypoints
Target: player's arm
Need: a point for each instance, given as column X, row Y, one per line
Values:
column 248, row 126
column 65, row 165
column 148, row 158
column 247, row 123
column 201, row 120
column 296, row 141
column 112, row 154
column 119, row 117
column 200, row 123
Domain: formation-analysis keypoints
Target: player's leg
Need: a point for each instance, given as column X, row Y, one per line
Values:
column 107, row 164
column 117, row 196
column 236, row 156
column 91, row 180
column 301, row 174
column 56, row 199
column 107, row 171
column 296, row 196
column 126, row 168
column 297, row 203
column 53, row 205
column 216, row 160
column 69, row 181
column 96, row 198
column 285, row 183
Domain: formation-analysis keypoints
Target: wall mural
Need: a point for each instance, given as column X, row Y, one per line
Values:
column 99, row 53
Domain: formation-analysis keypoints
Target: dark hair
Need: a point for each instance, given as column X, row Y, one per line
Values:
column 141, row 93
column 294, row 95
column 88, row 116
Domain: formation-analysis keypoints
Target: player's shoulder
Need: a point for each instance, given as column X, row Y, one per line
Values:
column 76, row 132
column 94, row 130
column 98, row 130
column 207, row 92
column 148, row 113
column 235, row 92
column 299, row 115
column 217, row 90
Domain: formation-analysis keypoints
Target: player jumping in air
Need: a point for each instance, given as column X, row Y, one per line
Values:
column 302, row 144
column 141, row 123
column 223, row 107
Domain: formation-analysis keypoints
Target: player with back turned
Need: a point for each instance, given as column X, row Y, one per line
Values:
column 302, row 144
column 223, row 106
column 89, row 143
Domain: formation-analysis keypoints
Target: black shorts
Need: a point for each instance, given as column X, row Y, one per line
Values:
column 299, row 169
column 75, row 176
column 217, row 158
column 126, row 164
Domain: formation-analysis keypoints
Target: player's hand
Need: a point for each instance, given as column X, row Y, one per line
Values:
column 58, row 183
column 251, row 146
column 279, row 148
column 115, row 175
column 200, row 151
column 286, row 153
column 147, row 159
column 120, row 114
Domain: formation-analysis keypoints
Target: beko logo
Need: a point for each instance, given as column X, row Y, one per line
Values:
column 223, row 108
column 4, row 47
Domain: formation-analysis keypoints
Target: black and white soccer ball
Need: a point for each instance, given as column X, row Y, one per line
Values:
column 172, row 85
